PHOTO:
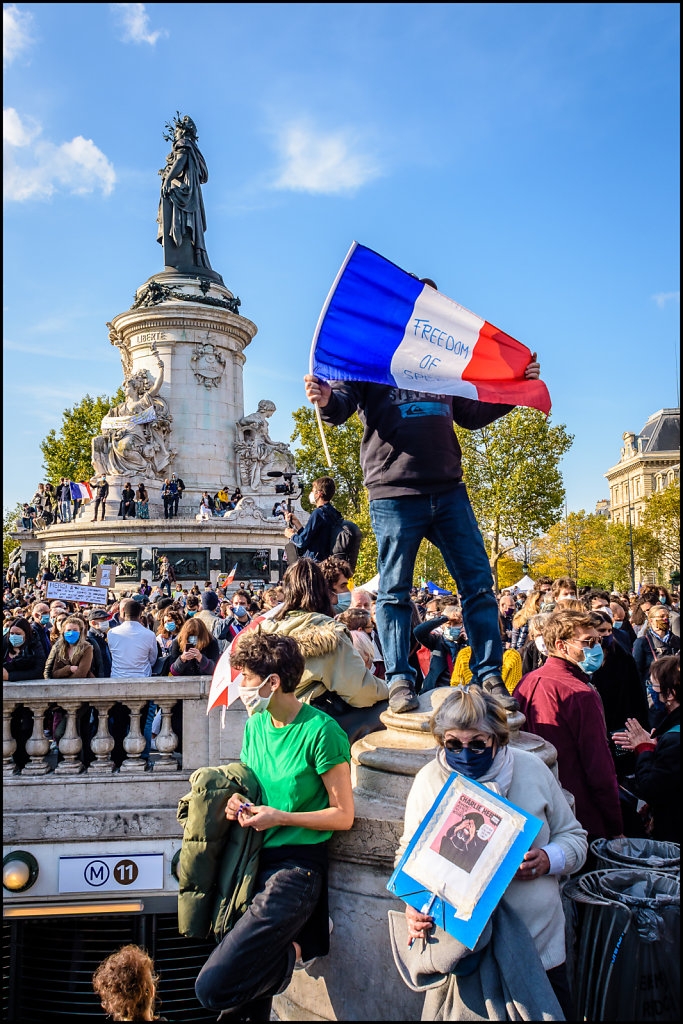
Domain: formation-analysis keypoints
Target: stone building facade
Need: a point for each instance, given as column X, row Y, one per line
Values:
column 649, row 462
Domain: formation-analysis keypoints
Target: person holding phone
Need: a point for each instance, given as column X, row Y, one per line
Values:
column 195, row 652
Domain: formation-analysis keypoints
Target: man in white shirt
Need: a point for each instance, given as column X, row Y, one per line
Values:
column 133, row 647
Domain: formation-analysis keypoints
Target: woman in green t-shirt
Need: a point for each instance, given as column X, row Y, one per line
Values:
column 301, row 759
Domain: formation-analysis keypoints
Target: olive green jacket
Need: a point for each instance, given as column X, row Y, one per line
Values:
column 219, row 859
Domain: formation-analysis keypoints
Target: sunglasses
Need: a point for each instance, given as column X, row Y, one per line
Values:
column 475, row 746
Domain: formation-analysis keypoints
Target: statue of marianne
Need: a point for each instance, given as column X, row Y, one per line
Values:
column 181, row 217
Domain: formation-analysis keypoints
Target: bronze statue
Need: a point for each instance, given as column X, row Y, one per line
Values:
column 181, row 217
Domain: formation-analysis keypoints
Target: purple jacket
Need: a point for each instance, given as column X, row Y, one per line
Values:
column 561, row 706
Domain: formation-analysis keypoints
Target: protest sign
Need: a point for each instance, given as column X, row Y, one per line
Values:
column 57, row 590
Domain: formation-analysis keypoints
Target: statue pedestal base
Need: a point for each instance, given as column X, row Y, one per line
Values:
column 359, row 980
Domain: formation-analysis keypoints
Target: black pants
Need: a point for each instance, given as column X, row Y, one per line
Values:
column 559, row 981
column 103, row 502
column 165, row 583
column 255, row 960
column 356, row 722
column 168, row 506
column 176, row 499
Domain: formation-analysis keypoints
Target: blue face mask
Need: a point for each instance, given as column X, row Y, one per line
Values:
column 662, row 600
column 593, row 659
column 617, row 624
column 16, row 639
column 71, row 636
column 190, row 614
column 469, row 763
column 170, row 626
column 452, row 632
column 343, row 602
column 45, row 619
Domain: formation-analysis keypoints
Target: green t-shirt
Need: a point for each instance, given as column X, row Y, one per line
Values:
column 288, row 763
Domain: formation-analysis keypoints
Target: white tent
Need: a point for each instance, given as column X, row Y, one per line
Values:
column 526, row 584
column 372, row 586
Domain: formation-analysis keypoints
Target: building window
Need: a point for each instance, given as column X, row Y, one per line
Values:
column 637, row 488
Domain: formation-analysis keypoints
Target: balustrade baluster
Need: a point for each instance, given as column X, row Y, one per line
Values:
column 70, row 743
column 38, row 744
column 102, row 743
column 9, row 744
column 134, row 742
column 167, row 741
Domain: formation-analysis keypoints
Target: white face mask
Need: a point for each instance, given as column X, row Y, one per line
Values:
column 312, row 498
column 103, row 624
column 252, row 699
column 540, row 645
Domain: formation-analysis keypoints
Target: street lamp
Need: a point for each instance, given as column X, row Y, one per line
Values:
column 630, row 534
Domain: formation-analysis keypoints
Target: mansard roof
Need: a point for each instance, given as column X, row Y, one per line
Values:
column 662, row 432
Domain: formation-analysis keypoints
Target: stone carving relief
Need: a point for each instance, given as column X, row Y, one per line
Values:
column 247, row 513
column 257, row 453
column 208, row 365
column 155, row 293
column 135, row 434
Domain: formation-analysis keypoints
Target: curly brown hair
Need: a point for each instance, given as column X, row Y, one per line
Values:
column 126, row 984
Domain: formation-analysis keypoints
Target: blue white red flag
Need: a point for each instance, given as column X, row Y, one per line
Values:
column 380, row 324
column 81, row 492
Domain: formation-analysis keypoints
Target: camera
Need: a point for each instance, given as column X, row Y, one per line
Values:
column 290, row 488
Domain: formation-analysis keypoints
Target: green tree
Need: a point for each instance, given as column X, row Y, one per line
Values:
column 512, row 472
column 662, row 517
column 9, row 519
column 68, row 453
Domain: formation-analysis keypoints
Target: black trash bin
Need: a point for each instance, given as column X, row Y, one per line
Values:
column 625, row 945
column 644, row 853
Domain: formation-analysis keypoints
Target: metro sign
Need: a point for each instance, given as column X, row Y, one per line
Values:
column 119, row 873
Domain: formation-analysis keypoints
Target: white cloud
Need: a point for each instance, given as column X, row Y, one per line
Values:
column 135, row 22
column 16, row 32
column 36, row 169
column 663, row 297
column 322, row 162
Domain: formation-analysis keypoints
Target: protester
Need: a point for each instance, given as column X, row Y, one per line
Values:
column 169, row 629
column 236, row 496
column 238, row 618
column 72, row 655
column 195, row 652
column 562, row 707
column 520, row 621
column 300, row 758
column 100, row 625
column 621, row 691
column 101, row 494
column 506, row 610
column 177, row 488
column 272, row 597
column 23, row 655
column 443, row 637
column 564, row 589
column 133, row 648
column 167, row 574
column 334, row 679
column 316, row 539
column 127, row 503
column 471, row 730
column 624, row 632
column 657, row 642
column 141, row 502
column 167, row 492
column 40, row 624
column 413, row 470
column 125, row 984
column 337, row 573
column 63, row 495
column 658, row 755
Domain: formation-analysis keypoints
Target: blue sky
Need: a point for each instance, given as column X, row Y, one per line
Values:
column 525, row 156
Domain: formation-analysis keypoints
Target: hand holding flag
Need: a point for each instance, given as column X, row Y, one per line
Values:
column 381, row 325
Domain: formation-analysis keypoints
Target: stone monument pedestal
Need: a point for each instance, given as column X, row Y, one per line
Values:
column 359, row 980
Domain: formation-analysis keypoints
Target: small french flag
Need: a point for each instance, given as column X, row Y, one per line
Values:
column 380, row 324
column 81, row 492
column 230, row 578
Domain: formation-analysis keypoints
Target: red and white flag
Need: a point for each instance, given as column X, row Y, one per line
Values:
column 226, row 680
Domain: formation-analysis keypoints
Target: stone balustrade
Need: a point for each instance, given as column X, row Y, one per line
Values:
column 73, row 696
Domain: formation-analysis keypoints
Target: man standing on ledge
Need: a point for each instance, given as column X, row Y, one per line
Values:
column 412, row 468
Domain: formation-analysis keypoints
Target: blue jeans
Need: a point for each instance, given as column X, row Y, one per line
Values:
column 447, row 520
column 65, row 511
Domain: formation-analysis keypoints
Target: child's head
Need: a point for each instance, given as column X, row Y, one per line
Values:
column 126, row 984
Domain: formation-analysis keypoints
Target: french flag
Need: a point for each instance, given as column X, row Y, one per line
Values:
column 81, row 492
column 230, row 578
column 380, row 324
column 226, row 681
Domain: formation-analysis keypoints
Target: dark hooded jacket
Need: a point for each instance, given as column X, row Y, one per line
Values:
column 316, row 539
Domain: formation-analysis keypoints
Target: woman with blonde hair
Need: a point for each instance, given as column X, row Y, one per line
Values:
column 520, row 623
column 471, row 731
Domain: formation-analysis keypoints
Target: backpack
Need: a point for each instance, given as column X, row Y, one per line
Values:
column 347, row 542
